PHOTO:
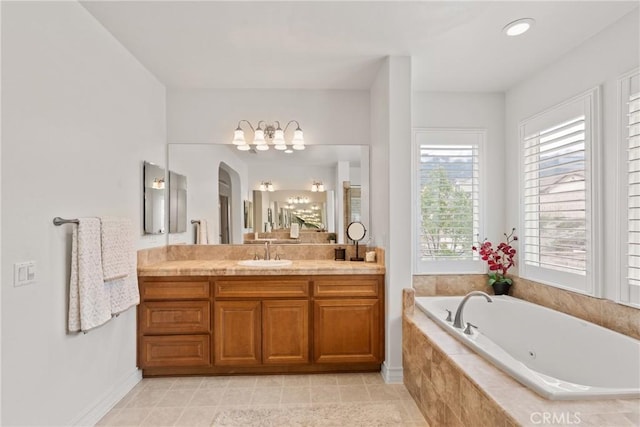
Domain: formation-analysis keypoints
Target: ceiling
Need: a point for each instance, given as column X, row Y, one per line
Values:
column 454, row 45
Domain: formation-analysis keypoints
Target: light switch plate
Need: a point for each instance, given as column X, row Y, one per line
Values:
column 24, row 273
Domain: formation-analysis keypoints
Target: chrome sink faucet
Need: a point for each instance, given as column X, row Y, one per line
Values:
column 267, row 251
column 458, row 322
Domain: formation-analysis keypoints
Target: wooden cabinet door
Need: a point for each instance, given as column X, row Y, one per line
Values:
column 347, row 331
column 237, row 333
column 285, row 332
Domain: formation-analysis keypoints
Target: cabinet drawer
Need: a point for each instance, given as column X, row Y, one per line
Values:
column 175, row 290
column 175, row 350
column 167, row 317
column 346, row 287
column 261, row 288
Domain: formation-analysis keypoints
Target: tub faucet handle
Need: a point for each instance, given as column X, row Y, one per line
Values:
column 468, row 330
column 448, row 319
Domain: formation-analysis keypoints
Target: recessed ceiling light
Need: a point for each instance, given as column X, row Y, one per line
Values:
column 518, row 27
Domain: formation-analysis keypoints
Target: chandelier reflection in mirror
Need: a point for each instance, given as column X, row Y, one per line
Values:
column 297, row 200
column 317, row 186
column 271, row 132
column 266, row 186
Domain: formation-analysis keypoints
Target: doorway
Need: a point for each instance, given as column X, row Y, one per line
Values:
column 224, row 191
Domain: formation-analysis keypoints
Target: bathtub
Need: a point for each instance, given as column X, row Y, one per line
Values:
column 558, row 356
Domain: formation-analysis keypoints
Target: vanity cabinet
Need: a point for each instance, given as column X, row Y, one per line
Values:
column 174, row 326
column 260, row 324
column 354, row 305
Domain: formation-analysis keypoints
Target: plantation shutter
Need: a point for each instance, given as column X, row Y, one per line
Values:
column 633, row 190
column 448, row 193
column 556, row 241
column 555, row 197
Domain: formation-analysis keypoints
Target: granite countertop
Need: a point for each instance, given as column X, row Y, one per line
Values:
column 231, row 268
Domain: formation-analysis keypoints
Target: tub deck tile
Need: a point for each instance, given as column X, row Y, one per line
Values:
column 456, row 370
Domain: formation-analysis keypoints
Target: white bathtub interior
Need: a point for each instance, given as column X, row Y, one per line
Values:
column 557, row 355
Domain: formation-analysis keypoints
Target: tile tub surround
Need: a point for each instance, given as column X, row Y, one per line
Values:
column 452, row 385
column 603, row 312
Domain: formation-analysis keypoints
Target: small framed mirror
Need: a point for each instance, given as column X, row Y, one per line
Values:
column 154, row 198
column 356, row 232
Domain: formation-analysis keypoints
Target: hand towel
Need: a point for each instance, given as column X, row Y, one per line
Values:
column 117, row 245
column 295, row 230
column 119, row 264
column 202, row 232
column 89, row 299
column 124, row 292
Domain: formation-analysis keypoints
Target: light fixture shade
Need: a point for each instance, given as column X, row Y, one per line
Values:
column 288, row 151
column 278, row 139
column 262, row 147
column 320, row 187
column 238, row 137
column 280, row 147
column 269, row 186
column 244, row 147
column 263, row 186
column 314, row 187
column 258, row 138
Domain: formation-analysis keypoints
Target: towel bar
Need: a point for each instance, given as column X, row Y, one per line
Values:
column 59, row 221
column 195, row 221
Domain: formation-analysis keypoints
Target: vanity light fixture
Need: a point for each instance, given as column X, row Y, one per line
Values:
column 297, row 200
column 317, row 186
column 158, row 183
column 266, row 186
column 518, row 27
column 263, row 133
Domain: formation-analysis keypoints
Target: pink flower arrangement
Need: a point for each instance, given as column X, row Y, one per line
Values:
column 499, row 259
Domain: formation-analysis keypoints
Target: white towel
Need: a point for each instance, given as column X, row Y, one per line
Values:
column 89, row 298
column 295, row 230
column 202, row 232
column 117, row 245
column 124, row 292
column 119, row 264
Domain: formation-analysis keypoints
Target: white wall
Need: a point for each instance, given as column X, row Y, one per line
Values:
column 599, row 61
column 79, row 116
column 480, row 111
column 391, row 210
column 211, row 115
column 200, row 164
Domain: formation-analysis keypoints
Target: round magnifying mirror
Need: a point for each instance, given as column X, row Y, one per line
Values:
column 356, row 232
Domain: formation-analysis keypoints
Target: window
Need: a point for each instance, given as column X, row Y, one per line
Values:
column 630, row 124
column 447, row 194
column 557, row 148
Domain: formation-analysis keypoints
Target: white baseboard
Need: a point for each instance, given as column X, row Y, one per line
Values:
column 391, row 375
column 108, row 400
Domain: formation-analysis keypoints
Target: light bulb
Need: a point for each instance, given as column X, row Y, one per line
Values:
column 258, row 137
column 278, row 138
column 518, row 27
column 238, row 137
column 244, row 147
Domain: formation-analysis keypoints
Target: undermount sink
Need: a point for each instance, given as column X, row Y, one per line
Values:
column 268, row 263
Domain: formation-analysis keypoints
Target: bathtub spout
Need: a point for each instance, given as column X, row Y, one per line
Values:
column 458, row 322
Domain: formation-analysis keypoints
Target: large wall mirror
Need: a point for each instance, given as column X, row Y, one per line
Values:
column 154, row 207
column 225, row 182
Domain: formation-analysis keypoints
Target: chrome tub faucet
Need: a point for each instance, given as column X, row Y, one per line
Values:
column 458, row 322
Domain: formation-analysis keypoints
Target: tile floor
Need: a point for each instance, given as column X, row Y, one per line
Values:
column 194, row 401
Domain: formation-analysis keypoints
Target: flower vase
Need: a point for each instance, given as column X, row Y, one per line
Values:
column 501, row 288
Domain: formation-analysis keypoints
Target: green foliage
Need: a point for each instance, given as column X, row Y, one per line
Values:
column 447, row 216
